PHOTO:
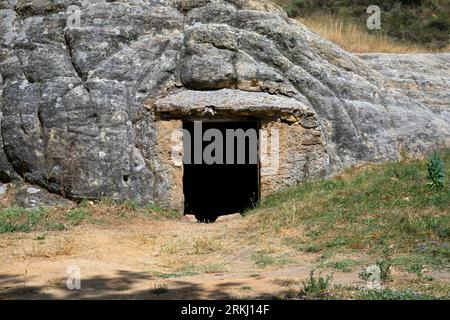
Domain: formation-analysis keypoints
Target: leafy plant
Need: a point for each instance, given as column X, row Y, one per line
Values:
column 436, row 173
column 159, row 289
column 385, row 265
column 316, row 287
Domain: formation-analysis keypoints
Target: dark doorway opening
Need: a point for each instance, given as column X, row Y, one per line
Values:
column 231, row 183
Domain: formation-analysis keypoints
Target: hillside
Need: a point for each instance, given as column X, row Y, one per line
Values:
column 407, row 25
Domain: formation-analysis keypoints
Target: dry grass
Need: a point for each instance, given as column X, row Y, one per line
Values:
column 173, row 246
column 7, row 199
column 63, row 246
column 55, row 282
column 213, row 268
column 57, row 246
column 356, row 38
column 204, row 244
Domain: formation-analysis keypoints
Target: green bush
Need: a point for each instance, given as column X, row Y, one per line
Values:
column 293, row 8
column 316, row 287
column 436, row 173
column 385, row 265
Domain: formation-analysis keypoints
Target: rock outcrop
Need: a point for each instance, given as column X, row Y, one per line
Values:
column 72, row 96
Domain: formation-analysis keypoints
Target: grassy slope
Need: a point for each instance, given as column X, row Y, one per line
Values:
column 103, row 212
column 353, row 37
column 365, row 210
column 405, row 29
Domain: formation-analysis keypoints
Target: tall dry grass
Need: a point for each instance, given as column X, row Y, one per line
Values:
column 356, row 38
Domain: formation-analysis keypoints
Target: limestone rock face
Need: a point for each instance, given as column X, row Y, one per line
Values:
column 422, row 77
column 73, row 97
column 32, row 197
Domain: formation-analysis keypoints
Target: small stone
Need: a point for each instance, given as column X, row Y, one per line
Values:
column 32, row 190
column 31, row 197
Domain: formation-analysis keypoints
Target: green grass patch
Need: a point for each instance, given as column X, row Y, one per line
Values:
column 366, row 209
column 264, row 259
column 389, row 294
column 55, row 226
column 164, row 213
column 344, row 265
column 16, row 219
column 76, row 216
column 186, row 271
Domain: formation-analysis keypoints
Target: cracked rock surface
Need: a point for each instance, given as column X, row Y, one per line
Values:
column 72, row 98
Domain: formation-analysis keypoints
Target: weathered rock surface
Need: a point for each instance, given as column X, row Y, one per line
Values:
column 32, row 197
column 72, row 98
column 422, row 77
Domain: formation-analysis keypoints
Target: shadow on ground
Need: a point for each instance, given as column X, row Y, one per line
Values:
column 125, row 285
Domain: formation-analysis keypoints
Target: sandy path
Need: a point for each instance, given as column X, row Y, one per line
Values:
column 149, row 259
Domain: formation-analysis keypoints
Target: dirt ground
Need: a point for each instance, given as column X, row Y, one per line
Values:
column 154, row 259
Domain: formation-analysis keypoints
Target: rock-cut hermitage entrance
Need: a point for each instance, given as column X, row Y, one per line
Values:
column 220, row 152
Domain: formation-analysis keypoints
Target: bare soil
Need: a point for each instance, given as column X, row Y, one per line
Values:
column 155, row 259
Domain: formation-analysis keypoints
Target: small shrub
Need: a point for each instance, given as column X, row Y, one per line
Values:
column 385, row 265
column 159, row 289
column 436, row 174
column 316, row 287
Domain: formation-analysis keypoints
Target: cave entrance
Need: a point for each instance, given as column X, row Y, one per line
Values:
column 221, row 168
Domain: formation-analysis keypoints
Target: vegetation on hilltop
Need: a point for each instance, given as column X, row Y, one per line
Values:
column 407, row 25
